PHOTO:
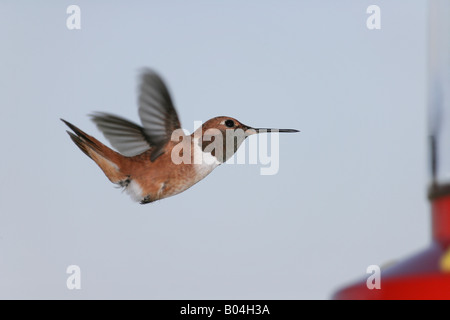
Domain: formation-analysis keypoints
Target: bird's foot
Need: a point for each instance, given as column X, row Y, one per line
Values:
column 146, row 200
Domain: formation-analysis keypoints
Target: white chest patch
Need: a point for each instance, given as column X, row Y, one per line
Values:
column 134, row 190
column 204, row 161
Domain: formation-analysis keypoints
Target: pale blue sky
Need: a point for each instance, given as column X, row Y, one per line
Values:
column 350, row 192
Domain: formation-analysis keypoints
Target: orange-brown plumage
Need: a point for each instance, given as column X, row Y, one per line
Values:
column 145, row 164
column 157, row 179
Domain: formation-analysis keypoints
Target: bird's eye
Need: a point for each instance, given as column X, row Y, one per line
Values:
column 229, row 123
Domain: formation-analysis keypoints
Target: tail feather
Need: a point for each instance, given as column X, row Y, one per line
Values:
column 107, row 159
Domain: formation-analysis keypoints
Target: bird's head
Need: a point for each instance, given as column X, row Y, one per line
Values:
column 222, row 136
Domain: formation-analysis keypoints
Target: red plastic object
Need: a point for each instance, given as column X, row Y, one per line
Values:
column 426, row 275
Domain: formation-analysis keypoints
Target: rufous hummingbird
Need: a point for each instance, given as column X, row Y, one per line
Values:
column 145, row 166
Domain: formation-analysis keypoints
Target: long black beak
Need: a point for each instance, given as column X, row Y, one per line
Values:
column 264, row 130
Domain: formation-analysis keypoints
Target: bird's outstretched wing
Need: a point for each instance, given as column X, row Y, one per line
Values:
column 157, row 112
column 127, row 137
column 158, row 116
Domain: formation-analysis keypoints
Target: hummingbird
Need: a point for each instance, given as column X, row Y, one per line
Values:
column 144, row 161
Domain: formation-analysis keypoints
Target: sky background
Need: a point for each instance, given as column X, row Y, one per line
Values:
column 351, row 187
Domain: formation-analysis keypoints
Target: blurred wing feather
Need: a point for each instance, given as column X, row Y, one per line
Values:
column 157, row 112
column 127, row 137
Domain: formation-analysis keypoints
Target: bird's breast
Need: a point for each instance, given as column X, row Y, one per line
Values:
column 203, row 162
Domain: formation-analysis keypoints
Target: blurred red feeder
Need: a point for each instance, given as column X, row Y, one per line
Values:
column 426, row 275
